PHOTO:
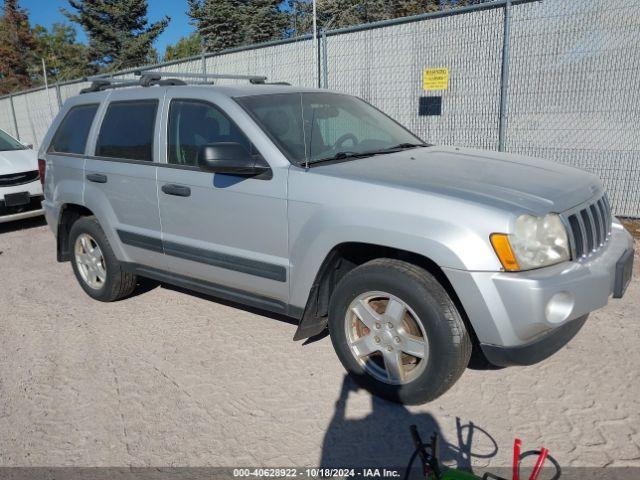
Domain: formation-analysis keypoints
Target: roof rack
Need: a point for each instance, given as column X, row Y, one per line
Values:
column 148, row 79
column 100, row 82
column 255, row 79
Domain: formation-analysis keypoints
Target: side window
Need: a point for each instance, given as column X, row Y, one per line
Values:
column 127, row 130
column 71, row 136
column 193, row 124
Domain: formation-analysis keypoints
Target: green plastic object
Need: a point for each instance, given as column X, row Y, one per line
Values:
column 453, row 474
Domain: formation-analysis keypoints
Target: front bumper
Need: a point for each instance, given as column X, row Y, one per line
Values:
column 33, row 209
column 522, row 318
column 535, row 351
column 11, row 214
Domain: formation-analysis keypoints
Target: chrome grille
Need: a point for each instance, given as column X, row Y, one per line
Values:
column 18, row 178
column 589, row 227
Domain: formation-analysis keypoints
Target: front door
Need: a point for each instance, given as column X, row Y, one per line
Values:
column 228, row 231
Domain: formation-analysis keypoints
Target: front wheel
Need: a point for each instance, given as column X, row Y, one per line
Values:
column 397, row 331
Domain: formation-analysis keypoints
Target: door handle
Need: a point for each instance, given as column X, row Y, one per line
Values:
column 177, row 190
column 97, row 177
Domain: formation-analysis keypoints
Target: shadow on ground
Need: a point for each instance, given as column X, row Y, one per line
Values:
column 22, row 224
column 228, row 303
column 382, row 438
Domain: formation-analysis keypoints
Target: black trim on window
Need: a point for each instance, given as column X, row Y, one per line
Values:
column 265, row 176
column 128, row 160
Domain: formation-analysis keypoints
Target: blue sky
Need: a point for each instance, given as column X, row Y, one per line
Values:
column 47, row 12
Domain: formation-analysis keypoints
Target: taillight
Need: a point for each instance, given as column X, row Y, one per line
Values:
column 42, row 168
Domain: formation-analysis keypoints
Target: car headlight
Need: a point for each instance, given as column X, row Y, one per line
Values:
column 535, row 242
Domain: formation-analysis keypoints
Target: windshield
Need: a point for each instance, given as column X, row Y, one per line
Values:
column 8, row 143
column 315, row 127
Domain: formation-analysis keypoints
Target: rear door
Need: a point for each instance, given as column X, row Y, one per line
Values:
column 66, row 157
column 120, row 175
column 226, row 230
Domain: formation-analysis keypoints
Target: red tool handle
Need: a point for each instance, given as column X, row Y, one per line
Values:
column 539, row 462
column 517, row 445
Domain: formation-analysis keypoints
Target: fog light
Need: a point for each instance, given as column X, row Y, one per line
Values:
column 559, row 307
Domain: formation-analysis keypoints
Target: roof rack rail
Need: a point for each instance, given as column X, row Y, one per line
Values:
column 256, row 79
column 150, row 78
column 101, row 82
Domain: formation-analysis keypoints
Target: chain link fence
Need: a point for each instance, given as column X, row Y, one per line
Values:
column 573, row 90
column 384, row 66
column 555, row 79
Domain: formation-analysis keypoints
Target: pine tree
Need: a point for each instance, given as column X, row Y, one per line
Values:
column 230, row 23
column 219, row 22
column 120, row 35
column 299, row 17
column 17, row 46
column 185, row 47
column 264, row 21
column 65, row 58
column 405, row 8
column 345, row 13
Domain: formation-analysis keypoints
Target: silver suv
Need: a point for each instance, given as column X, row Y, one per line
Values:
column 318, row 206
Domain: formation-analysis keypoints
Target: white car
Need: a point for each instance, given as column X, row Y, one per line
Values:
column 20, row 185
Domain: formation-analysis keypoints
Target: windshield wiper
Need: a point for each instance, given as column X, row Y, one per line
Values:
column 342, row 156
column 403, row 146
column 371, row 153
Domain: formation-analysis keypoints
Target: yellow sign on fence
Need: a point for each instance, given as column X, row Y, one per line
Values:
column 435, row 79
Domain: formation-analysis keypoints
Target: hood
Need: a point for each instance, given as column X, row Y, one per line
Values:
column 503, row 180
column 17, row 161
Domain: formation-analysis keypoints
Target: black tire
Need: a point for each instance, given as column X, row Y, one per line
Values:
column 448, row 339
column 118, row 283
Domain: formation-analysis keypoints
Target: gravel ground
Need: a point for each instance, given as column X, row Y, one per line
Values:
column 167, row 378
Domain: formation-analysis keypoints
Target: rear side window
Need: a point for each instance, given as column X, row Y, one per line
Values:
column 127, row 130
column 71, row 136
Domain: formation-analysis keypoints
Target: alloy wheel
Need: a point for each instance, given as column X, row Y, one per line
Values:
column 90, row 261
column 386, row 337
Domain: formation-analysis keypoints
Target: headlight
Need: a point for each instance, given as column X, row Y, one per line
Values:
column 536, row 242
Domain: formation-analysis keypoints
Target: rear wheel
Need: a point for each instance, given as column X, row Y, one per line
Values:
column 96, row 267
column 396, row 330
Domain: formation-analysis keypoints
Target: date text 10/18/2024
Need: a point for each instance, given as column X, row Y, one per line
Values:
column 317, row 472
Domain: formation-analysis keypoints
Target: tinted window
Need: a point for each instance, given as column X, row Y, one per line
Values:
column 127, row 130
column 193, row 124
column 72, row 133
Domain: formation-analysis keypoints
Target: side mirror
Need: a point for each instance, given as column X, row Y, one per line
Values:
column 229, row 158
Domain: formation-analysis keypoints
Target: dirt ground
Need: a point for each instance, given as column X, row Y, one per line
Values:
column 633, row 225
column 168, row 378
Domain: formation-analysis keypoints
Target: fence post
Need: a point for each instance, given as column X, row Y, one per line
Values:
column 204, row 63
column 13, row 114
column 325, row 61
column 504, row 81
column 58, row 95
column 318, row 61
